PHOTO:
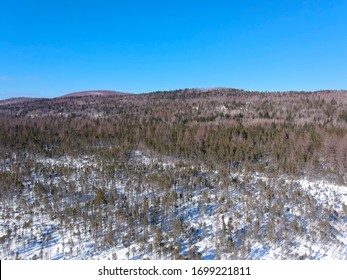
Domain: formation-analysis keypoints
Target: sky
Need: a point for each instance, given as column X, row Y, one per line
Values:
column 51, row 48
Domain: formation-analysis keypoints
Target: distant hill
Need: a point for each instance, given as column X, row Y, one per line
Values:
column 16, row 100
column 93, row 92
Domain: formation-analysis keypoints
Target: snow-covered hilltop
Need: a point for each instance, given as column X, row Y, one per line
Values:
column 93, row 93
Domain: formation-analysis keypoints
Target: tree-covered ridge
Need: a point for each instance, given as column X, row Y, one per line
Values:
column 193, row 105
column 289, row 132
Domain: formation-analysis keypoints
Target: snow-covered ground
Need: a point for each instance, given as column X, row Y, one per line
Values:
column 256, row 216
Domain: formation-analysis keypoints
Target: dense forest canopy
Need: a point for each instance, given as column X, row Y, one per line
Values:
column 291, row 132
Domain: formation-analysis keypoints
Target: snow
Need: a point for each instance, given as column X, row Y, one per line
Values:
column 38, row 234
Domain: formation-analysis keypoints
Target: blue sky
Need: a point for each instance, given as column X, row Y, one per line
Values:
column 50, row 48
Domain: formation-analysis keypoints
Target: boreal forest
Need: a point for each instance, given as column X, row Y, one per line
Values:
column 186, row 174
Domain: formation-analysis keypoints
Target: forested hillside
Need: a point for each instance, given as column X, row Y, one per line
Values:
column 212, row 174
